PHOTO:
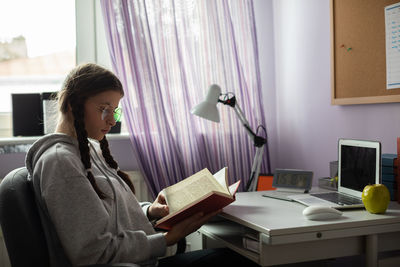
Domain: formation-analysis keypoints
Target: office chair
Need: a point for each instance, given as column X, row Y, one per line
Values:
column 21, row 225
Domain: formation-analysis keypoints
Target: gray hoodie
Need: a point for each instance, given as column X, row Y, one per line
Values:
column 79, row 226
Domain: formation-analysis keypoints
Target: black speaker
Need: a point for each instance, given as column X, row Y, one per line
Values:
column 27, row 114
column 116, row 128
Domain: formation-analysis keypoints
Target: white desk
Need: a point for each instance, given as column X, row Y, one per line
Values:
column 285, row 236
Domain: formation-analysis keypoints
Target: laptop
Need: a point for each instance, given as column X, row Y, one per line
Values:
column 359, row 164
column 289, row 182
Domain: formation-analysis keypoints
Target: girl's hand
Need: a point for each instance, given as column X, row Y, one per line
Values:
column 158, row 208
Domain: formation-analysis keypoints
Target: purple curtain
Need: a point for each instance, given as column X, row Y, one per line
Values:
column 167, row 53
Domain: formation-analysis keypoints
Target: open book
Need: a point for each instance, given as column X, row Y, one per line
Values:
column 201, row 192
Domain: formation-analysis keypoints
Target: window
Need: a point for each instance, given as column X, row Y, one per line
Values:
column 37, row 49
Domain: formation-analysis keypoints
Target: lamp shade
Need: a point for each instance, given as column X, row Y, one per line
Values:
column 208, row 108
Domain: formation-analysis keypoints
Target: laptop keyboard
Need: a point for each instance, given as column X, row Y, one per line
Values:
column 340, row 199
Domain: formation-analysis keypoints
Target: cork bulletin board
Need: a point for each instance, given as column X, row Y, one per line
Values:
column 358, row 52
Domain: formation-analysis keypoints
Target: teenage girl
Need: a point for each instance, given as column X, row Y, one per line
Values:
column 87, row 204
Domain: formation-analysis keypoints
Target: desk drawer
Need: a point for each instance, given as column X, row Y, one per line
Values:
column 304, row 247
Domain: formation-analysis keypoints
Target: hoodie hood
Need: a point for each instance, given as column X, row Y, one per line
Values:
column 41, row 145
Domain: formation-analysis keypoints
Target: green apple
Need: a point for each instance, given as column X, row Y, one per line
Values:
column 376, row 198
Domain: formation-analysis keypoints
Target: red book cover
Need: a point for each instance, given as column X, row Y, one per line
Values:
column 202, row 192
column 210, row 203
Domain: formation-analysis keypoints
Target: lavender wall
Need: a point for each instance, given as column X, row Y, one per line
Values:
column 306, row 126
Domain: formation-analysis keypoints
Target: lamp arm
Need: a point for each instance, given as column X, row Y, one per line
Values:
column 259, row 144
column 245, row 122
column 255, row 170
column 258, row 140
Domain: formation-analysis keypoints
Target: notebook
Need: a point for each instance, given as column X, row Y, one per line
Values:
column 359, row 164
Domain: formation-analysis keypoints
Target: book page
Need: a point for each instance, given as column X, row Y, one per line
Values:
column 192, row 188
column 233, row 188
column 221, row 177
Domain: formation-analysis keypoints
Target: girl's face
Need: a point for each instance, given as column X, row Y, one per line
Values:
column 99, row 113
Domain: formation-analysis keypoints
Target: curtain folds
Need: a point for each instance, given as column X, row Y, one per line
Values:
column 167, row 53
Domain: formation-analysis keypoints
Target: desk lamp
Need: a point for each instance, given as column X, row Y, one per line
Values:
column 208, row 110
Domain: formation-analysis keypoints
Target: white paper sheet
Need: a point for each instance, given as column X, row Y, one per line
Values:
column 392, row 29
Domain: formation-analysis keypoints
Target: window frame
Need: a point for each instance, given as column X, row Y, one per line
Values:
column 91, row 46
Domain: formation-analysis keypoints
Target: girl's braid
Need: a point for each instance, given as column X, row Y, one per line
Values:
column 81, row 134
column 113, row 164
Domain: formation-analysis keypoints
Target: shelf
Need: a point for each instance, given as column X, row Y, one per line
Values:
column 230, row 235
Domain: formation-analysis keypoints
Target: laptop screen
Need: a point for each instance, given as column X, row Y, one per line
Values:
column 358, row 167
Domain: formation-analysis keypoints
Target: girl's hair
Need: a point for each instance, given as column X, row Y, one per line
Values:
column 82, row 82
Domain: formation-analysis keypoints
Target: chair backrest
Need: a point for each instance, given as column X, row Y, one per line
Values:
column 20, row 221
column 21, row 225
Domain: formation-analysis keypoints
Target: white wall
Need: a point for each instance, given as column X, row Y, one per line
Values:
column 265, row 36
column 304, row 112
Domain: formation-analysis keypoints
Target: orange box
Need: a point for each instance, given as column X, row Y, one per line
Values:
column 265, row 182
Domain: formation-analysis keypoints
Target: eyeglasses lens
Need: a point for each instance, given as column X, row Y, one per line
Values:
column 117, row 114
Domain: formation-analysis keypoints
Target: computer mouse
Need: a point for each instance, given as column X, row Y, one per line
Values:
column 319, row 213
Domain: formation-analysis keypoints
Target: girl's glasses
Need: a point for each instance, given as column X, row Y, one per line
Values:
column 108, row 111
